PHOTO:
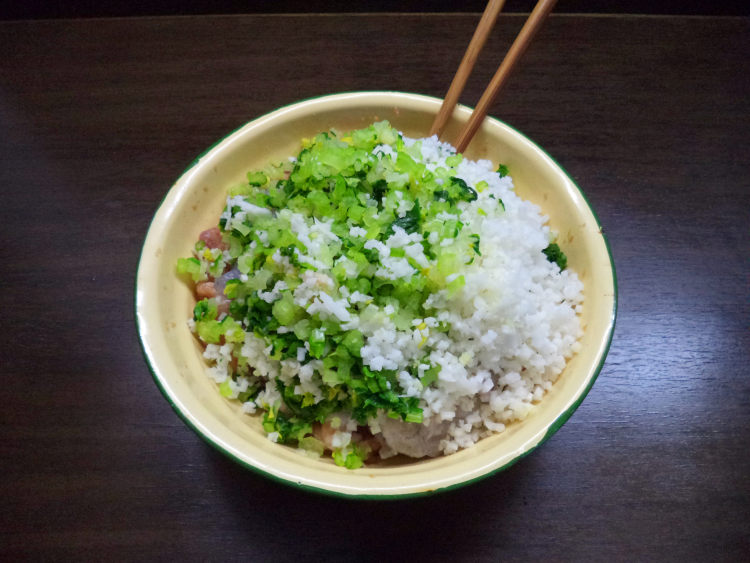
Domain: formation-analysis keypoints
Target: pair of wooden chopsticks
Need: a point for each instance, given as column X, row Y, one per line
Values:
column 532, row 25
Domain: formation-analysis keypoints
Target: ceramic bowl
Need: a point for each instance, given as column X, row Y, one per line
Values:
column 164, row 302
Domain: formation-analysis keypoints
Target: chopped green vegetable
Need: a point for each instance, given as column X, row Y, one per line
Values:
column 204, row 310
column 257, row 178
column 556, row 255
column 430, row 376
column 475, row 243
column 409, row 222
column 225, row 389
column 317, row 343
column 191, row 266
column 348, row 458
column 465, row 192
column 312, row 444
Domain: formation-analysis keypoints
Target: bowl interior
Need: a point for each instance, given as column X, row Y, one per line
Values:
column 164, row 303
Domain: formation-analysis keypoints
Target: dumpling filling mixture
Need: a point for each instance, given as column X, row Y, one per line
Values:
column 380, row 295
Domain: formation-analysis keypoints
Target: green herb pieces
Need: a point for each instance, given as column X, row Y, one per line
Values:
column 191, row 266
column 556, row 255
column 410, row 222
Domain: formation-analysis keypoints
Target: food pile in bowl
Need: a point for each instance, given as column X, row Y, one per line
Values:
column 376, row 295
column 371, row 300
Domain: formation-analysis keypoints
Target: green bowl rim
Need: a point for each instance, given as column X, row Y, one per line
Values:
column 554, row 426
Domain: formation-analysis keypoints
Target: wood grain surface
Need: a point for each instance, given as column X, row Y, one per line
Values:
column 98, row 117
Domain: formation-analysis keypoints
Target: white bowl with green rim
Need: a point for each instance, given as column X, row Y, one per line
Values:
column 164, row 302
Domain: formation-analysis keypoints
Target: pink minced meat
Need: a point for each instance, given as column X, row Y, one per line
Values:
column 205, row 289
column 414, row 440
column 212, row 238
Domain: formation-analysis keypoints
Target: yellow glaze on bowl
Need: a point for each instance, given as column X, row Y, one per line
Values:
column 194, row 203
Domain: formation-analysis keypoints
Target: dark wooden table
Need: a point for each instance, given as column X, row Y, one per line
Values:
column 98, row 117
